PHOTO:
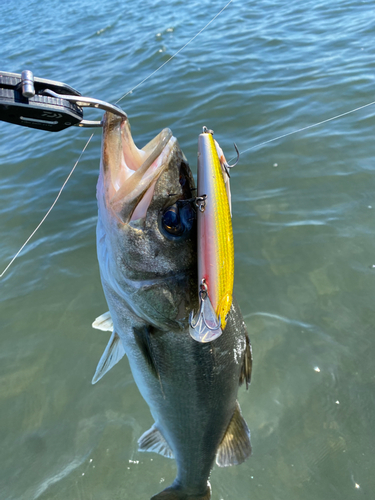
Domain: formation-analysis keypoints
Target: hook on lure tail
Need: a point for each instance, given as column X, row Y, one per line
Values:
column 223, row 161
column 226, row 165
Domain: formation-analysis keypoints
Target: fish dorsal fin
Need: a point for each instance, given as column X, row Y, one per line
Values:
column 153, row 440
column 111, row 355
column 235, row 446
column 104, row 322
column 247, row 363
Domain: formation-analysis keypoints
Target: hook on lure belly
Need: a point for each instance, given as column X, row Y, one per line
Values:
column 215, row 242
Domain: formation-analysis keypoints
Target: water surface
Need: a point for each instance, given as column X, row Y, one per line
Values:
column 304, row 241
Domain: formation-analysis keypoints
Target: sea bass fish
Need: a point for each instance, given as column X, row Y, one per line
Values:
column 146, row 244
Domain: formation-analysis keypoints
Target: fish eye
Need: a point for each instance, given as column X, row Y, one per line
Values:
column 171, row 221
column 178, row 219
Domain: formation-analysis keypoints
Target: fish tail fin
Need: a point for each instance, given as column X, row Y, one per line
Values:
column 178, row 493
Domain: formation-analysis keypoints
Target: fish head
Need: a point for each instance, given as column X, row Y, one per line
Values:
column 146, row 236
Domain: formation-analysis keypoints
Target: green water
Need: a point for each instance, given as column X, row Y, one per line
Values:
column 303, row 217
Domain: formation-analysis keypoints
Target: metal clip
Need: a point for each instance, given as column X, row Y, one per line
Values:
column 27, row 80
column 200, row 202
column 46, row 104
column 89, row 102
column 207, row 130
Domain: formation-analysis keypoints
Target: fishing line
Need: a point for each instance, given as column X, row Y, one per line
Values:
column 87, row 143
column 51, row 207
column 305, row 128
column 175, row 54
column 138, row 85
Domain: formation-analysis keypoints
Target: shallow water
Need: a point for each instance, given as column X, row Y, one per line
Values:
column 304, row 241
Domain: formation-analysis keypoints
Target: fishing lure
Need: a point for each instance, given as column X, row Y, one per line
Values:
column 215, row 241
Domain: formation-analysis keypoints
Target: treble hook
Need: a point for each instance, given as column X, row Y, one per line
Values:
column 226, row 164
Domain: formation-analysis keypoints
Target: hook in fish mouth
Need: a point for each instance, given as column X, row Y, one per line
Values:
column 205, row 326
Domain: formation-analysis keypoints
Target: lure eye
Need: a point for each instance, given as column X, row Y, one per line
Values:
column 178, row 219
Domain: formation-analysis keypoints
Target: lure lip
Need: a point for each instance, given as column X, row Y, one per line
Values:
column 200, row 328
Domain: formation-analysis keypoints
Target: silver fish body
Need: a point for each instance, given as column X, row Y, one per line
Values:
column 146, row 242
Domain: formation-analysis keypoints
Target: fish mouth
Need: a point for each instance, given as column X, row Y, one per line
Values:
column 129, row 174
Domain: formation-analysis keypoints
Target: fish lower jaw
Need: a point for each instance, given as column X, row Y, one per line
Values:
column 131, row 190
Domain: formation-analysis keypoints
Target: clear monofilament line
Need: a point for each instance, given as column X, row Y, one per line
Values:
column 71, row 172
column 48, row 212
column 305, row 128
column 175, row 54
column 138, row 85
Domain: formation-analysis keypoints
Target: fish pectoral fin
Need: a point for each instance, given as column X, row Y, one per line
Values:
column 235, row 447
column 247, row 364
column 104, row 322
column 111, row 355
column 153, row 440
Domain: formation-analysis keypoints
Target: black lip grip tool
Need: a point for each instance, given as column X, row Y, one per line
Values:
column 46, row 104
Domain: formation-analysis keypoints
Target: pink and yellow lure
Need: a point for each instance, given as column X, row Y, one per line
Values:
column 215, row 242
